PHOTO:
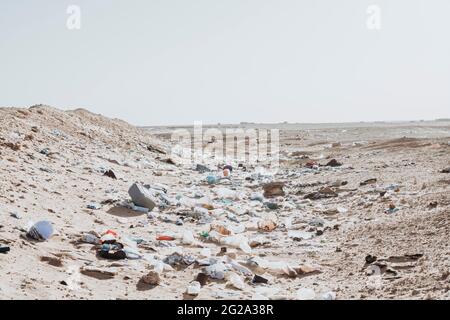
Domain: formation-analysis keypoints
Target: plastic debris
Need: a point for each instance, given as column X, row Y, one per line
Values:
column 41, row 231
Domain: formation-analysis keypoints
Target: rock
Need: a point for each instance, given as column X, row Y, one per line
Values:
column 45, row 151
column 101, row 274
column 336, row 145
column 333, row 163
column 272, row 205
column 53, row 261
column 110, row 174
column 12, row 146
column 368, row 181
column 202, row 278
column 370, row 259
column 4, row 250
column 155, row 149
column 151, row 278
column 141, row 196
column 446, row 170
column 266, row 225
column 306, row 270
column 259, row 279
column 323, row 193
column 273, row 189
column 316, row 222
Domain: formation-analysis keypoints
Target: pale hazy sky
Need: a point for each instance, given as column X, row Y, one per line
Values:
column 180, row 61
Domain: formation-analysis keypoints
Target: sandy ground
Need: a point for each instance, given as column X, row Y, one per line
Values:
column 333, row 257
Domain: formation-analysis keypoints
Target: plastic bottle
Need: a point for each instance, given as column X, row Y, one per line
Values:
column 237, row 241
column 236, row 281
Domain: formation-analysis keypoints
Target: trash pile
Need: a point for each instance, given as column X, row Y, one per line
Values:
column 119, row 216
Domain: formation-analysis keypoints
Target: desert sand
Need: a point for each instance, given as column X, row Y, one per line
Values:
column 375, row 226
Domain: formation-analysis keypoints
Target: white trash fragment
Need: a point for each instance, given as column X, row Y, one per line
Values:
column 237, row 241
column 306, row 294
column 236, row 281
column 299, row 235
column 194, row 288
column 330, row 295
column 216, row 271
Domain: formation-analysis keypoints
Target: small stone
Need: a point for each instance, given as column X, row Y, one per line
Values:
column 151, row 278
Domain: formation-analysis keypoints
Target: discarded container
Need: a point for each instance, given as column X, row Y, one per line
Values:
column 165, row 238
column 42, row 230
column 226, row 173
column 228, row 167
column 132, row 253
column 216, row 271
column 94, row 206
column 237, row 241
column 141, row 196
column 212, row 179
column 188, row 238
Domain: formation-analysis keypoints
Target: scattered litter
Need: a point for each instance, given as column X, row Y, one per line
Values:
column 194, row 288
column 4, row 249
column 41, row 231
column 94, row 206
column 141, row 196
